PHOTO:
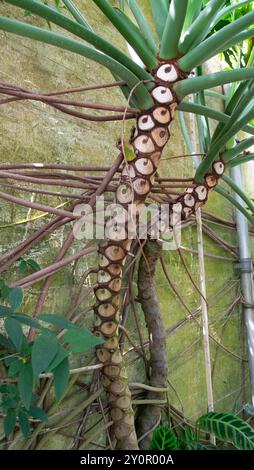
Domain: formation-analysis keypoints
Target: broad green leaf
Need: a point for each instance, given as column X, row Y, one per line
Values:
column 4, row 290
column 228, row 427
column 15, row 297
column 14, row 332
column 9, row 422
column 60, row 356
column 25, row 384
column 61, row 378
column 22, row 266
column 56, row 320
column 164, row 439
column 44, row 350
column 81, row 340
column 38, row 413
column 5, row 311
column 24, row 423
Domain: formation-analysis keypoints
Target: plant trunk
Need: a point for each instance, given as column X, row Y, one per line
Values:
column 148, row 140
column 149, row 415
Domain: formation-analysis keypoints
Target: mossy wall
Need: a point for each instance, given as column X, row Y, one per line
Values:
column 33, row 132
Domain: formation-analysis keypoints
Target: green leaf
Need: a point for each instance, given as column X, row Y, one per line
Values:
column 37, row 413
column 24, row 423
column 228, row 427
column 173, row 29
column 14, row 332
column 26, row 320
column 44, row 350
column 56, row 320
column 25, row 384
column 9, row 422
column 6, row 342
column 5, row 311
column 64, row 42
column 4, row 290
column 33, row 265
column 143, row 24
column 14, row 368
column 61, row 378
column 15, row 297
column 81, row 340
column 22, row 266
column 160, row 13
column 60, row 356
column 164, row 439
column 194, row 445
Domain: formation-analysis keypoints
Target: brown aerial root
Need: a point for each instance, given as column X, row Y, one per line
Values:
column 149, row 415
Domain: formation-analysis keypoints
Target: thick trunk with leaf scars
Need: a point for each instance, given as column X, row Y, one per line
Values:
column 148, row 140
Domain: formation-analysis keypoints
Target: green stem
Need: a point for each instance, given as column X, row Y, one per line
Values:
column 130, row 33
column 240, row 193
column 220, row 190
column 173, row 29
column 81, row 31
column 215, row 43
column 38, row 34
column 193, row 85
column 76, row 13
column 193, row 11
column 201, row 26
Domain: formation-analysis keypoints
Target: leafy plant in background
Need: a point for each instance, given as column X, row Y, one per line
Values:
column 226, row 427
column 23, row 361
column 168, row 70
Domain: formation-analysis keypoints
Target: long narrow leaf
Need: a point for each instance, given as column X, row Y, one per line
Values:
column 130, row 33
column 193, row 10
column 240, row 160
column 53, row 16
column 220, row 190
column 76, row 13
column 240, row 193
column 210, row 47
column 160, row 13
column 238, row 149
column 143, row 25
column 230, row 428
column 210, row 113
column 173, row 29
column 58, row 40
column 196, row 84
column 201, row 26
column 229, row 9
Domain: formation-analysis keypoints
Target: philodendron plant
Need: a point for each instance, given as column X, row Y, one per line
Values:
column 155, row 86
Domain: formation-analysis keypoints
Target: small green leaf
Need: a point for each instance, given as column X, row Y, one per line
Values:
column 22, row 266
column 33, row 265
column 81, row 340
column 4, row 290
column 15, row 297
column 164, row 439
column 44, row 350
column 9, row 422
column 25, row 384
column 56, row 320
column 60, row 356
column 14, row 332
column 38, row 413
column 61, row 378
column 24, row 423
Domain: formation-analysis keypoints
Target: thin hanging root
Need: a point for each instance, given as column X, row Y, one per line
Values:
column 148, row 140
column 149, row 415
